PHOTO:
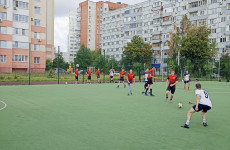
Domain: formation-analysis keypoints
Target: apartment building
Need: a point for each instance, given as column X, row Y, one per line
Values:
column 73, row 36
column 90, row 21
column 154, row 20
column 23, row 22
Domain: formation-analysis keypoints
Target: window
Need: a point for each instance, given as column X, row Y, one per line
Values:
column 36, row 35
column 38, row 0
column 36, row 47
column 223, row 19
column 2, row 58
column 3, row 44
column 37, row 10
column 37, row 60
column 23, row 31
column 20, row 58
column 212, row 21
column 3, row 2
column 3, row 30
column 20, row 18
column 222, row 40
column 183, row 7
column 37, row 22
column 228, row 6
column 213, row 31
column 213, row 1
column 20, row 45
column 3, row 15
column 22, row 5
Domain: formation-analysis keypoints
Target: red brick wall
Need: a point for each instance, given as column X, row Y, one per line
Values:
column 84, row 23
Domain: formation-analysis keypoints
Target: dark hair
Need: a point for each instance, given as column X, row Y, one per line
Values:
column 198, row 86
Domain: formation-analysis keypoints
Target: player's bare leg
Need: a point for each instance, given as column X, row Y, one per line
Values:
column 167, row 95
column 171, row 98
column 189, row 86
column 204, row 118
column 124, row 84
column 184, row 86
column 189, row 114
column 118, row 85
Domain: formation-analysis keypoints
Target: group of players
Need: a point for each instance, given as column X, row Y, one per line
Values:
column 203, row 102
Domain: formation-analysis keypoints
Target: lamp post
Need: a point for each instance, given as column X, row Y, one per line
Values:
column 58, row 62
column 104, row 67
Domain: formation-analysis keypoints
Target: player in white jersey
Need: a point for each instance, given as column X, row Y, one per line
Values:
column 111, row 74
column 203, row 103
column 187, row 80
column 146, row 80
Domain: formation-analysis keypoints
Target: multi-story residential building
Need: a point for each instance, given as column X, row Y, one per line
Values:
column 90, row 21
column 154, row 20
column 73, row 36
column 23, row 22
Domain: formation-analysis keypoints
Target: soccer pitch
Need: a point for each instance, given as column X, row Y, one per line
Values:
column 103, row 117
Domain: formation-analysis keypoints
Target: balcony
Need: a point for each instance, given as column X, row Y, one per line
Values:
column 199, row 8
column 198, row 17
column 155, row 40
column 156, row 32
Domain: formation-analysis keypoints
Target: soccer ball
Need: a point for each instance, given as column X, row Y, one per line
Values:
column 77, row 65
column 66, row 82
column 180, row 105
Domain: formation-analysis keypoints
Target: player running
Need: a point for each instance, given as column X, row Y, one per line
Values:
column 146, row 80
column 98, row 75
column 111, row 74
column 150, row 82
column 130, row 80
column 186, row 80
column 171, row 85
column 122, row 78
column 89, row 76
column 203, row 103
column 76, row 76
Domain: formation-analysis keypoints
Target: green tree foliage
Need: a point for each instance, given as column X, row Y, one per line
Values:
column 225, row 66
column 83, row 57
column 137, row 51
column 62, row 63
column 49, row 65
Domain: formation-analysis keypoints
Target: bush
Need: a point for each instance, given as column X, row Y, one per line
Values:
column 51, row 74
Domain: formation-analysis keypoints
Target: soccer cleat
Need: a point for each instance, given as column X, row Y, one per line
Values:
column 131, row 93
column 143, row 92
column 117, row 86
column 146, row 94
column 170, row 101
column 188, row 88
column 205, row 124
column 128, row 94
column 152, row 95
column 166, row 99
column 185, row 126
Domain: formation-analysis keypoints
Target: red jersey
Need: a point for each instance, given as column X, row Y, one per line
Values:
column 172, row 79
column 89, row 73
column 150, row 73
column 98, row 72
column 76, row 73
column 122, row 74
column 131, row 76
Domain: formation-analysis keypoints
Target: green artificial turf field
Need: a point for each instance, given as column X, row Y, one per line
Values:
column 103, row 117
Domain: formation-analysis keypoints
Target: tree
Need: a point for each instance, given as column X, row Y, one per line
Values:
column 225, row 66
column 137, row 51
column 83, row 57
column 49, row 65
column 62, row 63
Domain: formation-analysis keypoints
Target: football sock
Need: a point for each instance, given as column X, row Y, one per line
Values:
column 151, row 91
column 146, row 90
column 204, row 120
column 187, row 122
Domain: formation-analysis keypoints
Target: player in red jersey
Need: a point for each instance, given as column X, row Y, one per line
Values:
column 150, row 81
column 98, row 75
column 130, row 80
column 76, row 76
column 122, row 78
column 171, row 85
column 89, row 76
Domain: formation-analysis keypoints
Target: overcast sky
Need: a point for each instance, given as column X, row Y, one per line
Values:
column 61, row 22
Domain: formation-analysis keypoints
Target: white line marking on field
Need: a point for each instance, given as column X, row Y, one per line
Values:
column 5, row 105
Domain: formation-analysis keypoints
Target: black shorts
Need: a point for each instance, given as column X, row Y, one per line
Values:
column 98, row 76
column 111, row 77
column 130, row 81
column 122, row 79
column 202, row 107
column 150, row 80
column 146, row 84
column 186, row 81
column 76, row 78
column 172, row 89
column 89, row 77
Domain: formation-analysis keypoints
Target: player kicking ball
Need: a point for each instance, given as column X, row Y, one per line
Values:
column 146, row 80
column 203, row 103
column 186, row 80
column 130, row 81
column 122, row 78
column 172, row 80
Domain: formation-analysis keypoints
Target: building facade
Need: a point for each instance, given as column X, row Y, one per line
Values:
column 89, row 14
column 24, row 25
column 154, row 20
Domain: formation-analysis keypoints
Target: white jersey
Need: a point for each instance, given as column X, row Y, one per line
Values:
column 204, row 97
column 186, row 77
column 111, row 73
column 146, row 76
